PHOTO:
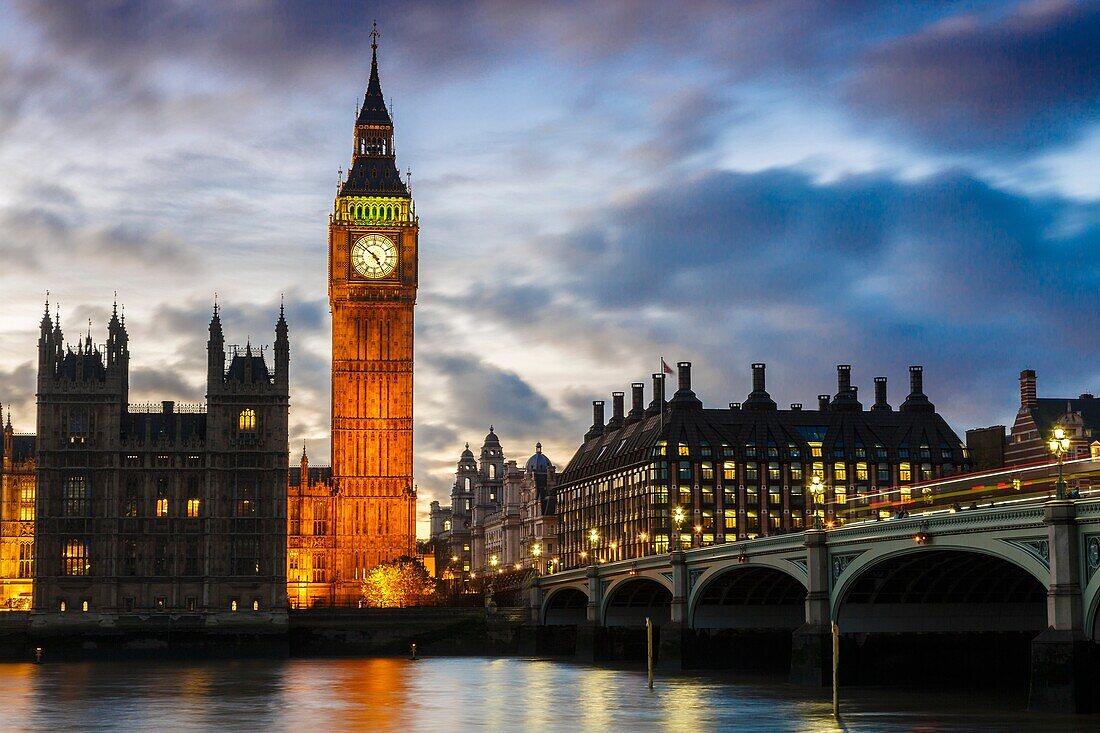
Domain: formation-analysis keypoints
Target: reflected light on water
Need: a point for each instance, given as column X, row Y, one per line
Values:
column 461, row 694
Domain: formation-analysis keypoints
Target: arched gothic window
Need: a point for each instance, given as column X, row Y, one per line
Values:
column 246, row 421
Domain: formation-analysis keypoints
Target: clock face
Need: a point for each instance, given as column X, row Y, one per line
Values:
column 374, row 256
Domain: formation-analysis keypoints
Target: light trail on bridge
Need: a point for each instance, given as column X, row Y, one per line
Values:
column 1022, row 487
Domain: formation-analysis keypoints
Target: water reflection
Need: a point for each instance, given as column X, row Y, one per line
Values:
column 315, row 695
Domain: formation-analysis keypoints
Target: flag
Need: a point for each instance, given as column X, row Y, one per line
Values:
column 665, row 368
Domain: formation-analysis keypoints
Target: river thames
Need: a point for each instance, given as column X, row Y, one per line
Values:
column 460, row 694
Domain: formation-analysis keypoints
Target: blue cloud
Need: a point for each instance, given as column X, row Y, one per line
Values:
column 1019, row 80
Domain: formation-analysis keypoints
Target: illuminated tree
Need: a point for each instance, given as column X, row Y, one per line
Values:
column 397, row 584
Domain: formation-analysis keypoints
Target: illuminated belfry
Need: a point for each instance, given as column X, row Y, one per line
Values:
column 372, row 291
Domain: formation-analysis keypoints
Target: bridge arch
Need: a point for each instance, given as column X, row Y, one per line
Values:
column 629, row 601
column 748, row 596
column 565, row 606
column 1091, row 598
column 938, row 613
column 885, row 551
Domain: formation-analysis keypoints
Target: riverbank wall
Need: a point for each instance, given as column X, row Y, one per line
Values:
column 436, row 631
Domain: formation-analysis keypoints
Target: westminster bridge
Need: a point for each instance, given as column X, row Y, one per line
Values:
column 995, row 592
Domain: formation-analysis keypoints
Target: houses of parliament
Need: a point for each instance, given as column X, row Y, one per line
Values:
column 116, row 510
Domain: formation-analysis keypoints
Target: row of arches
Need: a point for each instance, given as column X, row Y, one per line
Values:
column 902, row 615
column 381, row 213
column 374, row 146
column 735, row 597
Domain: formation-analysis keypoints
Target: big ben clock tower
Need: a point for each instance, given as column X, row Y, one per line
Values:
column 372, row 248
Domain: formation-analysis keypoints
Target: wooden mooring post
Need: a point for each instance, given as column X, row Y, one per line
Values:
column 836, row 670
column 649, row 649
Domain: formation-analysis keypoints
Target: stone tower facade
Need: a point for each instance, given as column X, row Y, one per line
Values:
column 372, row 291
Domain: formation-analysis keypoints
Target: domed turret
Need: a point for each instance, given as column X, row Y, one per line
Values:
column 538, row 463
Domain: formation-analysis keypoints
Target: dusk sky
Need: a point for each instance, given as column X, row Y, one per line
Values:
column 598, row 184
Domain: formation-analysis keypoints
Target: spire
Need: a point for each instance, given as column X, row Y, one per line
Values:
column 281, row 328
column 373, row 110
column 215, row 321
column 373, row 170
column 46, row 324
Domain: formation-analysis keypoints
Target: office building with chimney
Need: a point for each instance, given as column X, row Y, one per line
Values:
column 745, row 470
column 1037, row 418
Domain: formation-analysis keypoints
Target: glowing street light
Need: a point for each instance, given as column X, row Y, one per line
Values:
column 593, row 539
column 817, row 492
column 1059, row 445
column 678, row 519
column 494, row 560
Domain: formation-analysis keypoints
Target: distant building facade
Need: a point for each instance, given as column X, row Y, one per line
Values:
column 17, row 498
column 1037, row 418
column 311, row 541
column 987, row 447
column 744, row 471
column 500, row 515
column 168, row 510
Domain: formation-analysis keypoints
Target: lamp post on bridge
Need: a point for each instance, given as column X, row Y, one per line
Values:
column 1059, row 444
column 817, row 495
column 678, row 520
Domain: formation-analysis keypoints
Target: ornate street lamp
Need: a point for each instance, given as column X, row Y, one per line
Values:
column 817, row 495
column 678, row 519
column 643, row 537
column 1059, row 445
column 536, row 551
column 594, row 540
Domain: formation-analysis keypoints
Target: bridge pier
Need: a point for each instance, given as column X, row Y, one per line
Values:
column 811, row 643
column 1060, row 664
column 670, row 652
column 593, row 594
column 585, row 648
